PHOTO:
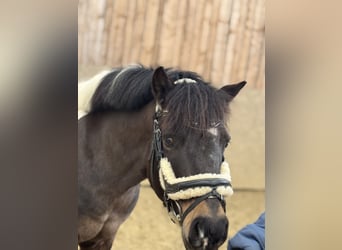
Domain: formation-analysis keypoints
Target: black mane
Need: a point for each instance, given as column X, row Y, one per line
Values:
column 128, row 89
column 123, row 89
column 191, row 104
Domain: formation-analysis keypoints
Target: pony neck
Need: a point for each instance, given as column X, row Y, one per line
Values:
column 125, row 138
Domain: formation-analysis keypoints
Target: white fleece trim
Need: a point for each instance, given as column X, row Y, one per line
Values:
column 166, row 172
column 185, row 80
column 158, row 107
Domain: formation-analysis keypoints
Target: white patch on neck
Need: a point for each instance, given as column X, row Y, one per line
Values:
column 213, row 131
column 185, row 80
column 86, row 90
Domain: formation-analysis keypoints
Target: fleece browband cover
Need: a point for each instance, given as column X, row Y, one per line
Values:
column 166, row 174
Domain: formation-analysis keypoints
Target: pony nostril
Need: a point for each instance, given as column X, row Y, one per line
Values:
column 202, row 238
column 200, row 231
column 196, row 233
column 218, row 231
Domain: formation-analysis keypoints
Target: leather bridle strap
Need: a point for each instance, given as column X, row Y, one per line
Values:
column 157, row 151
column 212, row 194
column 209, row 182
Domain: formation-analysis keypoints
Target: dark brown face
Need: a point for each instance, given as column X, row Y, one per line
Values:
column 193, row 152
column 194, row 138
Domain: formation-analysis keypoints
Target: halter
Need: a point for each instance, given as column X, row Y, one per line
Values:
column 199, row 187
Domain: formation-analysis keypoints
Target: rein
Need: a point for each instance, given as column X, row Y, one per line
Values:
column 201, row 186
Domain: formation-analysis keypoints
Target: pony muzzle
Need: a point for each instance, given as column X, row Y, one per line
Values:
column 198, row 187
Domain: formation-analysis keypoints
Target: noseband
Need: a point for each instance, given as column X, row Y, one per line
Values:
column 198, row 187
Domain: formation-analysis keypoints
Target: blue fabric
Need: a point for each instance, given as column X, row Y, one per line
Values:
column 251, row 237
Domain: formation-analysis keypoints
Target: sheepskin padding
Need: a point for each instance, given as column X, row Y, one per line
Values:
column 185, row 80
column 166, row 174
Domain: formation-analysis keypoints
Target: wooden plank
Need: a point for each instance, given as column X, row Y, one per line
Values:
column 92, row 29
column 156, row 50
column 214, row 18
column 246, row 37
column 168, row 32
column 197, row 34
column 107, row 26
column 257, row 41
column 119, row 17
column 231, row 45
column 260, row 27
column 259, row 23
column 179, row 34
column 237, row 62
column 138, row 30
column 85, row 50
column 111, row 36
column 150, row 32
column 99, row 12
column 128, row 33
column 203, row 39
column 188, row 38
column 220, row 47
column 81, row 29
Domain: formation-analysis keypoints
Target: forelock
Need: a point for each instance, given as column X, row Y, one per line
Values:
column 194, row 104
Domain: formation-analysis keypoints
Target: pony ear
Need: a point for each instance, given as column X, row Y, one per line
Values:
column 233, row 89
column 160, row 84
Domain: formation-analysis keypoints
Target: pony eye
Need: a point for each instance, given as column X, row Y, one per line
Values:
column 168, row 142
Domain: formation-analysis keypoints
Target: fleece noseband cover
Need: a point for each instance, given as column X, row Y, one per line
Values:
column 221, row 182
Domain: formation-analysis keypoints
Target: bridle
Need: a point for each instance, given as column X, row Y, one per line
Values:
column 173, row 207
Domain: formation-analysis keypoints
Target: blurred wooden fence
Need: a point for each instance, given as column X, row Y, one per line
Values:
column 223, row 40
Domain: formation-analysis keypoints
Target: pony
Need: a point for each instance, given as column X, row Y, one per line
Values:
column 167, row 125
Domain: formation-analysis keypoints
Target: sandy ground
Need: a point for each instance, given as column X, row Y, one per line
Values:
column 149, row 226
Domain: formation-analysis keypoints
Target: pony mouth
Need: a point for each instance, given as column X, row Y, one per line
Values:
column 201, row 243
column 199, row 246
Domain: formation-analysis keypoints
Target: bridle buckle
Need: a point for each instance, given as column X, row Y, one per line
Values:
column 175, row 214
